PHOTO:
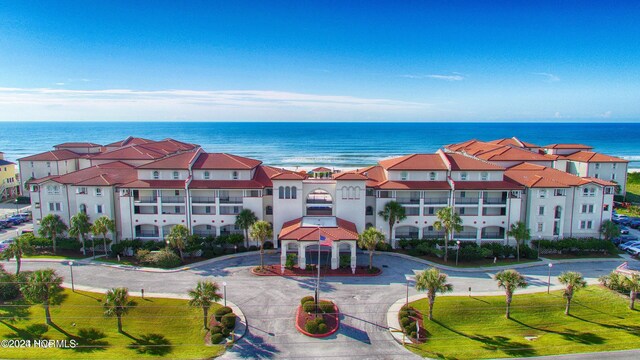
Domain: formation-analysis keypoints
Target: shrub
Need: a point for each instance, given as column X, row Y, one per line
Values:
column 41, row 243
column 528, row 253
column 615, row 281
column 322, row 328
column 241, row 248
column 71, row 244
column 9, row 288
column 383, row 246
column 166, row 259
column 326, row 307
column 268, row 245
column 403, row 243
column 117, row 249
column 311, row 326
column 219, row 313
column 473, row 252
column 413, row 335
column 306, row 299
column 345, row 261
column 403, row 313
column 575, row 246
column 229, row 321
column 216, row 329
column 234, row 239
column 142, row 255
column 309, row 307
column 217, row 338
column 291, row 261
column 151, row 245
column 424, row 249
column 253, row 248
column 405, row 321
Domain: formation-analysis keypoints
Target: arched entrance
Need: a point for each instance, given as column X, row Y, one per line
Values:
column 319, row 203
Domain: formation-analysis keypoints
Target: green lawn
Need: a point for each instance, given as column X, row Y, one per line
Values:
column 470, row 264
column 56, row 257
column 472, row 328
column 155, row 329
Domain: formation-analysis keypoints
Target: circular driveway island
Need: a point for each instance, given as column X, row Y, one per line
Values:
column 269, row 303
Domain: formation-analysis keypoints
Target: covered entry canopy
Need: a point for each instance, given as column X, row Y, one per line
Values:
column 307, row 231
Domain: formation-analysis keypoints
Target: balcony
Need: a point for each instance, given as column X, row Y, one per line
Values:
column 436, row 200
column 494, row 201
column 412, row 211
column 231, row 200
column 493, row 235
column 319, row 201
column 465, row 235
column 204, row 233
column 203, row 199
column 230, row 210
column 407, row 235
column 147, row 234
column 173, row 199
column 467, row 200
column 146, row 199
column 410, row 201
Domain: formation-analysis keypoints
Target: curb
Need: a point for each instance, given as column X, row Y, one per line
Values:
column 543, row 262
column 238, row 333
column 336, row 314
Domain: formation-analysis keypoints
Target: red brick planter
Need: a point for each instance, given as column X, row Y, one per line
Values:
column 332, row 321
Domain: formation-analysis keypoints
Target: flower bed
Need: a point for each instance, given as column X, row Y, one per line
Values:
column 275, row 270
column 324, row 325
column 408, row 319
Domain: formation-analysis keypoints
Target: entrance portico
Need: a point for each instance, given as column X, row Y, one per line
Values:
column 306, row 231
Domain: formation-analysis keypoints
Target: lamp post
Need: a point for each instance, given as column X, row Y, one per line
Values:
column 318, row 280
column 549, row 279
column 15, row 202
column 457, row 251
column 168, row 242
column 73, row 289
column 224, row 292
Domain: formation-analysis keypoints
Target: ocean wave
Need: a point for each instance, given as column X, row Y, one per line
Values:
column 631, row 157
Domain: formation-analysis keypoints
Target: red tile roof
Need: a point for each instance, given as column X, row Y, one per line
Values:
column 222, row 161
column 568, row 146
column 590, row 156
column 293, row 230
column 511, row 153
column 349, row 176
column 129, row 141
column 225, row 184
column 374, row 174
column 113, row 173
column 462, row 162
column 473, row 147
column 537, row 176
column 156, row 184
column 131, row 152
column 487, row 185
column 513, row 141
column 77, row 145
column 289, row 176
column 179, row 161
column 414, row 162
column 321, row 169
column 413, row 185
column 55, row 155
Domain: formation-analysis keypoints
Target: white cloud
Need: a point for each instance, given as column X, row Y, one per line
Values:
column 606, row 114
column 548, row 77
column 454, row 77
column 60, row 83
column 127, row 104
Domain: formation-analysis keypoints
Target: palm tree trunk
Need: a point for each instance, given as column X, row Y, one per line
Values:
column 446, row 247
column 119, row 323
column 632, row 301
column 431, row 303
column 509, row 297
column 205, row 310
column 246, row 237
column 370, row 259
column 518, row 249
column 93, row 247
column 84, row 250
column 18, row 261
column 104, row 243
column 53, row 240
column 181, row 256
column 261, row 255
column 566, row 310
column 390, row 233
column 47, row 314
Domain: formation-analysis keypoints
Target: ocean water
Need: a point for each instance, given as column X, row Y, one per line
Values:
column 340, row 145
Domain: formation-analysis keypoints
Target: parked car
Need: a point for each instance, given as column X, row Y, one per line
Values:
column 16, row 219
column 634, row 250
column 7, row 241
column 624, row 230
column 623, row 239
column 5, row 224
column 635, row 223
column 628, row 244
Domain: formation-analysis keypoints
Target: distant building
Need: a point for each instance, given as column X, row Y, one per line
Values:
column 9, row 184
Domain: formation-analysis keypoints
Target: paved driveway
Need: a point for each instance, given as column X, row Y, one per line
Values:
column 269, row 303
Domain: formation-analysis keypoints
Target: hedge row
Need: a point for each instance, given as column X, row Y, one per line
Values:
column 575, row 246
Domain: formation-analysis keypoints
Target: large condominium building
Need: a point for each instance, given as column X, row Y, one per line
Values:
column 150, row 186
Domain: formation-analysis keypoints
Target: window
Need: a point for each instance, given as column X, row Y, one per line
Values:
column 597, row 166
column 605, row 208
column 484, row 176
column 542, row 193
column 345, row 192
column 176, row 175
column 269, row 210
column 431, row 210
column 48, row 164
column 540, row 210
column 81, row 190
column 613, row 176
column 614, row 166
column 462, row 210
column 463, row 194
column 597, row 176
column 540, row 227
column 156, row 175
column 281, row 192
column 98, row 191
column 587, row 208
column 98, row 209
column 287, row 192
column 583, row 224
column 404, row 175
column 55, row 206
column 176, row 210
column 608, row 190
column 207, row 209
column 83, row 208
column 268, row 191
column 294, row 192
column 463, row 176
column 207, row 175
column 589, row 224
column 432, row 176
column 369, row 210
column 560, row 192
column 590, row 191
column 558, row 212
column 234, row 175
column 31, row 163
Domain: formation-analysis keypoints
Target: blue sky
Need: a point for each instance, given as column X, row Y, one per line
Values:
column 317, row 61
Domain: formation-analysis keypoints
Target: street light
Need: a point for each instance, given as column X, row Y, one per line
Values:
column 15, row 202
column 549, row 278
column 73, row 289
column 457, row 251
column 224, row 290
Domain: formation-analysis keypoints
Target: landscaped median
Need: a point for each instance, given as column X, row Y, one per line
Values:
column 317, row 320
column 466, row 327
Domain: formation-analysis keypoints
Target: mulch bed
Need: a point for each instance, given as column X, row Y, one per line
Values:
column 274, row 270
column 331, row 320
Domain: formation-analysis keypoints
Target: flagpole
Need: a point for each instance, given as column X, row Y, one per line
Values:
column 318, row 280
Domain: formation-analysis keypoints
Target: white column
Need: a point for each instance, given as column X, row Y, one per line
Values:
column 353, row 256
column 283, row 255
column 302, row 261
column 335, row 253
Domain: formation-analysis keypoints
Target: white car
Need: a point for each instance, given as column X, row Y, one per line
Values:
column 628, row 244
column 7, row 241
column 634, row 250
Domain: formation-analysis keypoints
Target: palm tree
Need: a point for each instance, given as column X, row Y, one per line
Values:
column 633, row 283
column 80, row 226
column 573, row 281
column 117, row 303
column 261, row 230
column 510, row 280
column 392, row 212
column 369, row 239
column 178, row 237
column 205, row 293
column 51, row 226
column 432, row 281
column 43, row 287
column 244, row 220
column 450, row 222
column 101, row 227
column 609, row 230
column 520, row 232
column 21, row 246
